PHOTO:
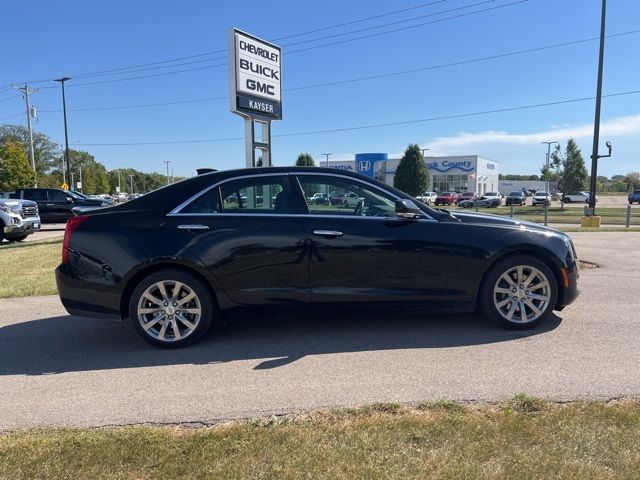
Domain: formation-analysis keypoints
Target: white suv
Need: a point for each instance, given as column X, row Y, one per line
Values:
column 427, row 197
column 541, row 198
column 576, row 197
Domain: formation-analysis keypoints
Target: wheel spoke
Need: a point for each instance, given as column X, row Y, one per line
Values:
column 512, row 310
column 176, row 329
column 503, row 302
column 190, row 325
column 523, row 312
column 163, row 291
column 520, row 274
column 152, row 322
column 539, row 285
column 145, row 311
column 536, row 310
column 186, row 299
column 535, row 296
column 153, row 299
column 176, row 291
column 508, row 279
column 193, row 311
column 163, row 330
column 531, row 277
column 508, row 291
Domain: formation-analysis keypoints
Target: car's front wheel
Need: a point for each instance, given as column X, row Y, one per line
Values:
column 171, row 309
column 519, row 292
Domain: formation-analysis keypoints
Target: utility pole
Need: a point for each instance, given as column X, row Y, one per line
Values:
column 596, row 124
column 327, row 155
column 81, row 185
column 167, row 162
column 131, row 177
column 548, row 157
column 119, row 186
column 71, row 184
column 25, row 91
column 172, row 175
column 66, row 136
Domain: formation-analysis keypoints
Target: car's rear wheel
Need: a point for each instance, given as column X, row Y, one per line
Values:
column 171, row 309
column 519, row 292
column 567, row 200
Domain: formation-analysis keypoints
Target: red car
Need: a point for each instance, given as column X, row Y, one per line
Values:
column 447, row 198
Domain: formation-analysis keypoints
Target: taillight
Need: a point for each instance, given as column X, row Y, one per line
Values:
column 72, row 224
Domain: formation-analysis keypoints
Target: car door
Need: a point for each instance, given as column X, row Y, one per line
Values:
column 60, row 203
column 366, row 253
column 248, row 232
column 39, row 195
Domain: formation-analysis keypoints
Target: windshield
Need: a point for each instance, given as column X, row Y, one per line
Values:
column 541, row 194
column 491, row 194
column 515, row 194
column 73, row 193
column 445, row 194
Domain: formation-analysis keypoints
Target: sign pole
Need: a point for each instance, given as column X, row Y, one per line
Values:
column 255, row 91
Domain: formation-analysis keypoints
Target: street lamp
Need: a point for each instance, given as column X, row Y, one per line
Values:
column 424, row 150
column 66, row 136
column 548, row 157
column 327, row 155
column 131, row 178
column 167, row 162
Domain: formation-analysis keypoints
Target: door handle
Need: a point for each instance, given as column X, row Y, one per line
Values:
column 327, row 233
column 192, row 227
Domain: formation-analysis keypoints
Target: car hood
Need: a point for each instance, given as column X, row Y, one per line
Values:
column 13, row 203
column 502, row 221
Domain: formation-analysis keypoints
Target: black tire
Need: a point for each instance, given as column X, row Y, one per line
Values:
column 491, row 281
column 567, row 200
column 17, row 238
column 203, row 300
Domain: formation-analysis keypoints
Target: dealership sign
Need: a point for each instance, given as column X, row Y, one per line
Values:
column 255, row 77
column 446, row 166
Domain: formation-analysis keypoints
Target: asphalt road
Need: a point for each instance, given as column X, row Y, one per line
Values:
column 57, row 370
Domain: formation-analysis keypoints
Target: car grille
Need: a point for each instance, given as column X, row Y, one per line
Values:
column 29, row 211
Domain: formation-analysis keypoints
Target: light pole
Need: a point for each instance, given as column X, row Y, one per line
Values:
column 71, row 184
column 119, row 186
column 131, row 178
column 424, row 150
column 66, row 136
column 548, row 157
column 172, row 175
column 327, row 155
column 596, row 124
column 167, row 162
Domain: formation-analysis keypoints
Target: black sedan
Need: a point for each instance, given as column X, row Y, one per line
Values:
column 174, row 261
column 516, row 198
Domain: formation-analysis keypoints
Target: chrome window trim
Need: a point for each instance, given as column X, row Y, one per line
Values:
column 176, row 211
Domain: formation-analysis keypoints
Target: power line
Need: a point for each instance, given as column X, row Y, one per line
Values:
column 378, row 125
column 11, row 116
column 9, row 98
column 330, row 27
column 302, row 49
column 365, row 78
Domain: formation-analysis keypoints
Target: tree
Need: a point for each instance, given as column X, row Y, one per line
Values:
column 568, row 168
column 15, row 171
column 45, row 151
column 305, row 160
column 632, row 179
column 412, row 176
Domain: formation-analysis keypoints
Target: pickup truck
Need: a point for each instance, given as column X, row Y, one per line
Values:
column 634, row 197
column 18, row 219
column 55, row 204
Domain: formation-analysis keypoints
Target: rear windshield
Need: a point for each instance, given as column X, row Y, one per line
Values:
column 491, row 194
column 541, row 194
column 445, row 194
column 515, row 194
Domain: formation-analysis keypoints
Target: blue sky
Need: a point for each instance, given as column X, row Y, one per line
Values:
column 74, row 37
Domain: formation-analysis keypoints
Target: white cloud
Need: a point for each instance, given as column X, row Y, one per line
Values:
column 627, row 125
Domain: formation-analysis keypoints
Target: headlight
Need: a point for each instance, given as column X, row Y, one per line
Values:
column 4, row 208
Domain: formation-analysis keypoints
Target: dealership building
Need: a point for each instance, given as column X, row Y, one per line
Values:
column 451, row 173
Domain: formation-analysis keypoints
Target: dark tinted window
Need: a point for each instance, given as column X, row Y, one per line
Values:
column 261, row 194
column 58, row 196
column 35, row 195
column 207, row 203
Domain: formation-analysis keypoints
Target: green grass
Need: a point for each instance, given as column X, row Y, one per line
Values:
column 524, row 438
column 27, row 268
column 610, row 215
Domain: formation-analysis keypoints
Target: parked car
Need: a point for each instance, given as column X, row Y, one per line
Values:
column 319, row 199
column 427, row 197
column 466, row 196
column 446, row 198
column 634, row 197
column 346, row 200
column 174, row 261
column 55, row 204
column 576, row 197
column 485, row 202
column 541, row 198
column 493, row 196
column 516, row 198
column 18, row 219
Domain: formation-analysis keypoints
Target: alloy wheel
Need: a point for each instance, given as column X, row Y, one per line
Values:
column 169, row 311
column 522, row 294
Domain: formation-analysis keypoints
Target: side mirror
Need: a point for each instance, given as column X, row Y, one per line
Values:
column 407, row 209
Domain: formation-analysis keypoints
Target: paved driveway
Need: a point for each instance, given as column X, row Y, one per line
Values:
column 56, row 369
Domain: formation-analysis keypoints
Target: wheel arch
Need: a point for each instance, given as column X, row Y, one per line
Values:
column 536, row 252
column 217, row 295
